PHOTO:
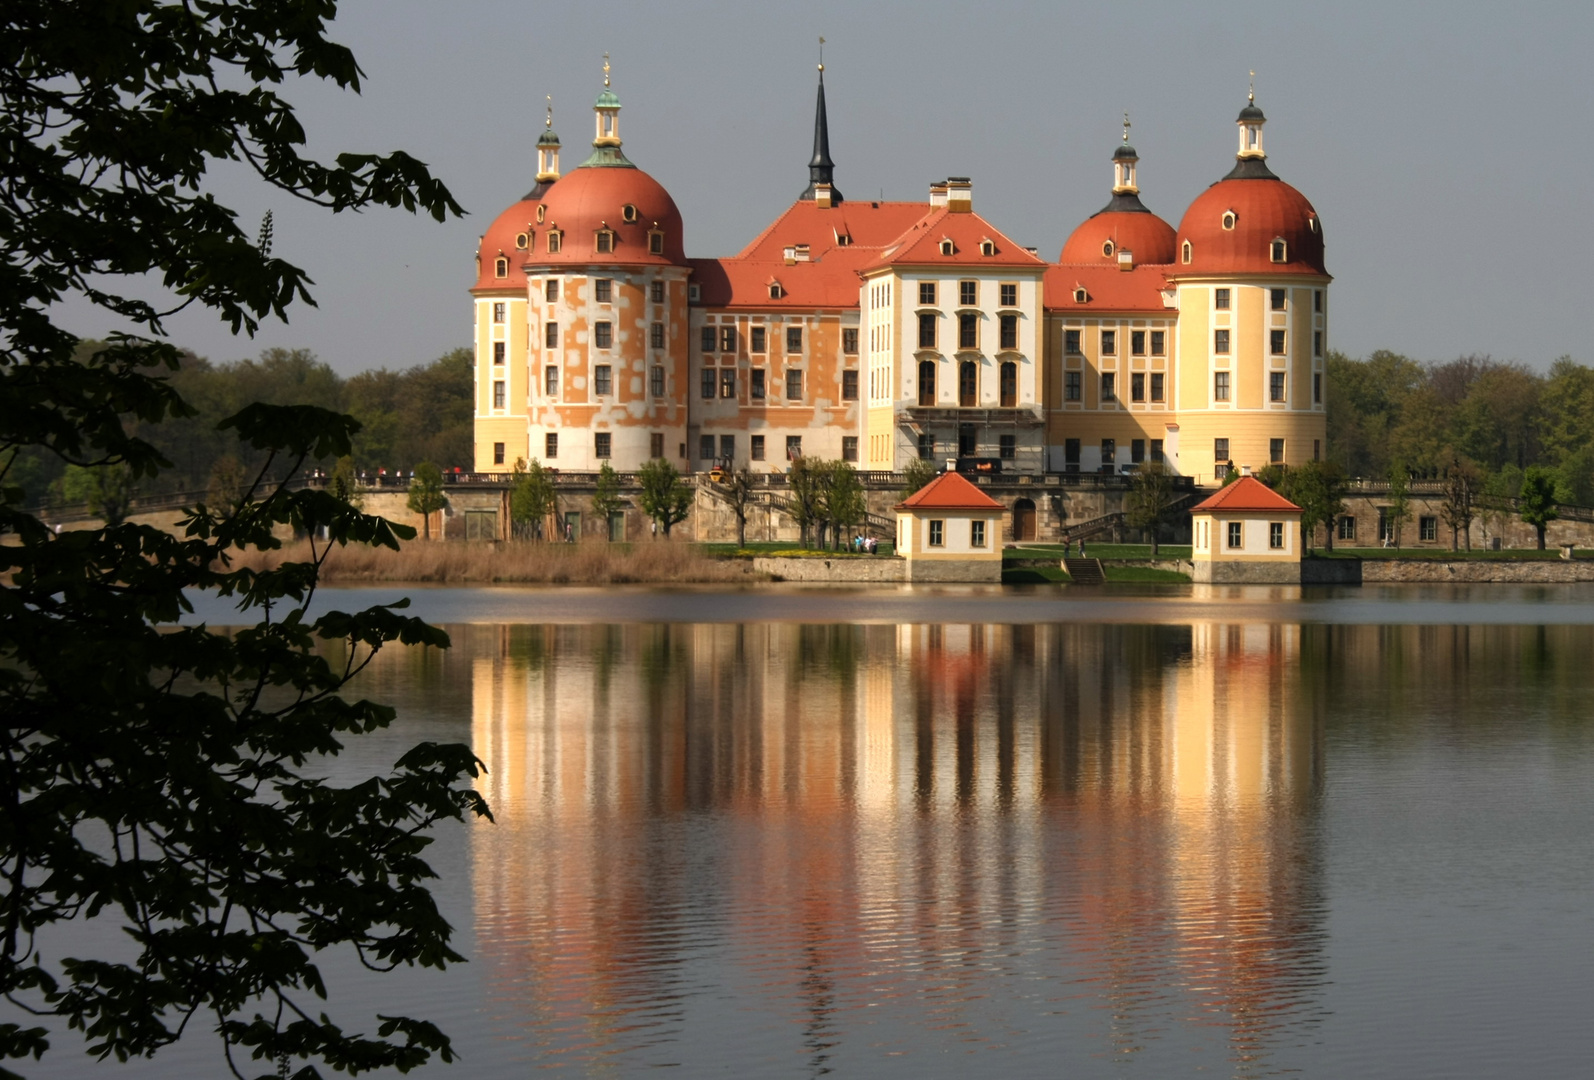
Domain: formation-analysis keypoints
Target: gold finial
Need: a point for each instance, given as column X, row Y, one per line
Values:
column 821, row 54
column 1126, row 128
column 606, row 71
column 550, row 112
column 1251, row 94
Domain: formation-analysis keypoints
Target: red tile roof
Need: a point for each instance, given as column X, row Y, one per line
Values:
column 1145, row 235
column 1107, row 288
column 920, row 245
column 1264, row 210
column 949, row 491
column 867, row 224
column 1247, row 494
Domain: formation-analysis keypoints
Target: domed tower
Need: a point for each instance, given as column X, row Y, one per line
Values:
column 1123, row 230
column 502, row 374
column 1253, row 310
column 606, row 287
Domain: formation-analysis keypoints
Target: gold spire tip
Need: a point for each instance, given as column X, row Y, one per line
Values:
column 1251, row 94
column 1126, row 127
column 550, row 112
column 821, row 54
column 605, row 70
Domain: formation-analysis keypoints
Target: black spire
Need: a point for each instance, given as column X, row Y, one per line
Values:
column 821, row 170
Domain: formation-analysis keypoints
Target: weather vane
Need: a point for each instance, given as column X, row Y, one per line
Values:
column 1126, row 127
column 606, row 70
column 821, row 53
column 1251, row 95
column 550, row 112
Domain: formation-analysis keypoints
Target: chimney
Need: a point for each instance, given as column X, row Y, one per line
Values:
column 1126, row 259
column 1245, row 470
column 822, row 196
column 959, row 194
column 938, row 193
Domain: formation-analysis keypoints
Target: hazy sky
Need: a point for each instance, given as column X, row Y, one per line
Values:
column 1446, row 145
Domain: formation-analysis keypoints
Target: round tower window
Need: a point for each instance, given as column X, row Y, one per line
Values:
column 1106, row 249
column 628, row 213
column 1228, row 220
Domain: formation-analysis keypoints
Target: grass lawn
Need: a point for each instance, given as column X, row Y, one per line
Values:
column 1099, row 551
column 786, row 547
column 1440, row 554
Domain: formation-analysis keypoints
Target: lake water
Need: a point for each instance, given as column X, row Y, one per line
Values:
column 958, row 832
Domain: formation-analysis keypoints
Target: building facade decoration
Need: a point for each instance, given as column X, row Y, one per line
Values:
column 880, row 331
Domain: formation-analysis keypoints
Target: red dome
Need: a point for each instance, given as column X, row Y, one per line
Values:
column 1264, row 211
column 500, row 239
column 1140, row 232
column 596, row 197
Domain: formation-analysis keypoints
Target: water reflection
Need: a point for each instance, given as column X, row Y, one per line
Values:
column 855, row 843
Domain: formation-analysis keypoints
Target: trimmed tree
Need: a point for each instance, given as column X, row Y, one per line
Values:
column 606, row 500
column 804, row 481
column 344, row 483
column 738, row 492
column 665, row 497
column 841, row 499
column 1461, row 490
column 1149, row 502
column 531, row 497
column 1318, row 489
column 1399, row 508
column 1536, row 503
column 426, row 495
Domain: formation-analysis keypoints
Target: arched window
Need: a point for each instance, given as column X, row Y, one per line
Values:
column 946, row 247
column 968, row 384
column 1279, row 250
column 500, row 267
column 1185, row 254
column 1009, row 385
column 987, row 247
column 926, row 383
column 1080, row 296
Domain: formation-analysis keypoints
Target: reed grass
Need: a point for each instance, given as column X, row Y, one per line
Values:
column 471, row 562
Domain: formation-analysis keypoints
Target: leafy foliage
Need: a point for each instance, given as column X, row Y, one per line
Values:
column 737, row 490
column 606, row 500
column 665, row 497
column 918, row 473
column 531, row 496
column 426, row 495
column 1537, row 500
column 841, row 497
column 803, row 482
column 1149, row 503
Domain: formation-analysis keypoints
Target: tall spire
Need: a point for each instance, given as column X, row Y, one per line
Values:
column 606, row 152
column 547, row 155
column 1251, row 161
column 821, row 170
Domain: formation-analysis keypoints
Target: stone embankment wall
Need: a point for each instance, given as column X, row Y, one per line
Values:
column 882, row 570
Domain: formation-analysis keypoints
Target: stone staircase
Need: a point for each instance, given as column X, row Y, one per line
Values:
column 1085, row 571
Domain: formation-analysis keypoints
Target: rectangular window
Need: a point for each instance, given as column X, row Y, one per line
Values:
column 728, row 339
column 794, row 447
column 550, row 290
column 603, row 335
column 1009, row 385
column 976, row 534
column 498, row 453
column 1220, row 299
column 550, row 445
column 926, row 447
column 1137, row 387
column 849, row 386
column 937, row 533
column 1317, row 300
column 1220, row 386
column 849, row 341
column 656, row 294
column 1109, row 386
column 1072, row 384
column 1220, row 449
column 602, row 380
column 1317, row 449
column 1109, row 342
column 1427, row 528
column 1009, row 295
column 705, row 387
column 1137, row 343
column 728, row 448
column 1275, row 386
column 757, row 336
column 656, row 385
column 1347, row 528
column 706, row 339
column 1156, row 386
column 498, row 353
column 1317, row 343
column 794, row 384
column 849, row 448
column 1275, row 533
column 1109, row 451
column 1159, row 343
column 603, row 444
column 1275, row 451
column 1236, row 534
column 550, row 335
column 1156, row 450
column 1220, row 342
column 498, row 393
column 1071, row 342
column 757, row 447
column 1137, row 451
column 794, row 339
column 498, row 312
column 603, row 290
column 927, row 321
column 605, row 242
column 927, row 292
column 1276, row 342
column 1071, row 453
column 555, row 242
column 656, row 445
column 705, row 447
column 968, row 331
column 1276, row 298
column 656, row 335
column 550, row 381
column 968, row 293
column 1317, row 389
column 728, row 382
column 1009, row 447
column 968, row 441
column 757, row 389
column 1009, row 331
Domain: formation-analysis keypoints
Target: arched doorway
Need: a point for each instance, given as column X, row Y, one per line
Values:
column 1024, row 520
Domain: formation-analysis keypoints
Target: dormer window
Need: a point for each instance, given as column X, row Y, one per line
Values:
column 1185, row 253
column 501, row 267
column 555, row 240
column 842, row 239
column 1080, row 295
column 605, row 241
column 947, row 247
column 1311, row 222
column 775, row 291
column 1228, row 220
column 1107, row 249
column 628, row 214
column 987, row 247
column 542, row 212
column 1280, row 250
column 655, row 242
column 522, row 241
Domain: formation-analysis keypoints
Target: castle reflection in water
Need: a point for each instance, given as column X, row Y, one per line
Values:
column 868, row 840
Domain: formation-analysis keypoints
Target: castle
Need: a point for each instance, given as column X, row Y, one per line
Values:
column 876, row 332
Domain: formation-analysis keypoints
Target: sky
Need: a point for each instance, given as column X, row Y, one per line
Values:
column 1446, row 146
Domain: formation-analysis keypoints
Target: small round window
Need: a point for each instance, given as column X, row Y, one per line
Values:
column 628, row 213
column 1106, row 249
column 1228, row 219
column 522, row 241
column 542, row 212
